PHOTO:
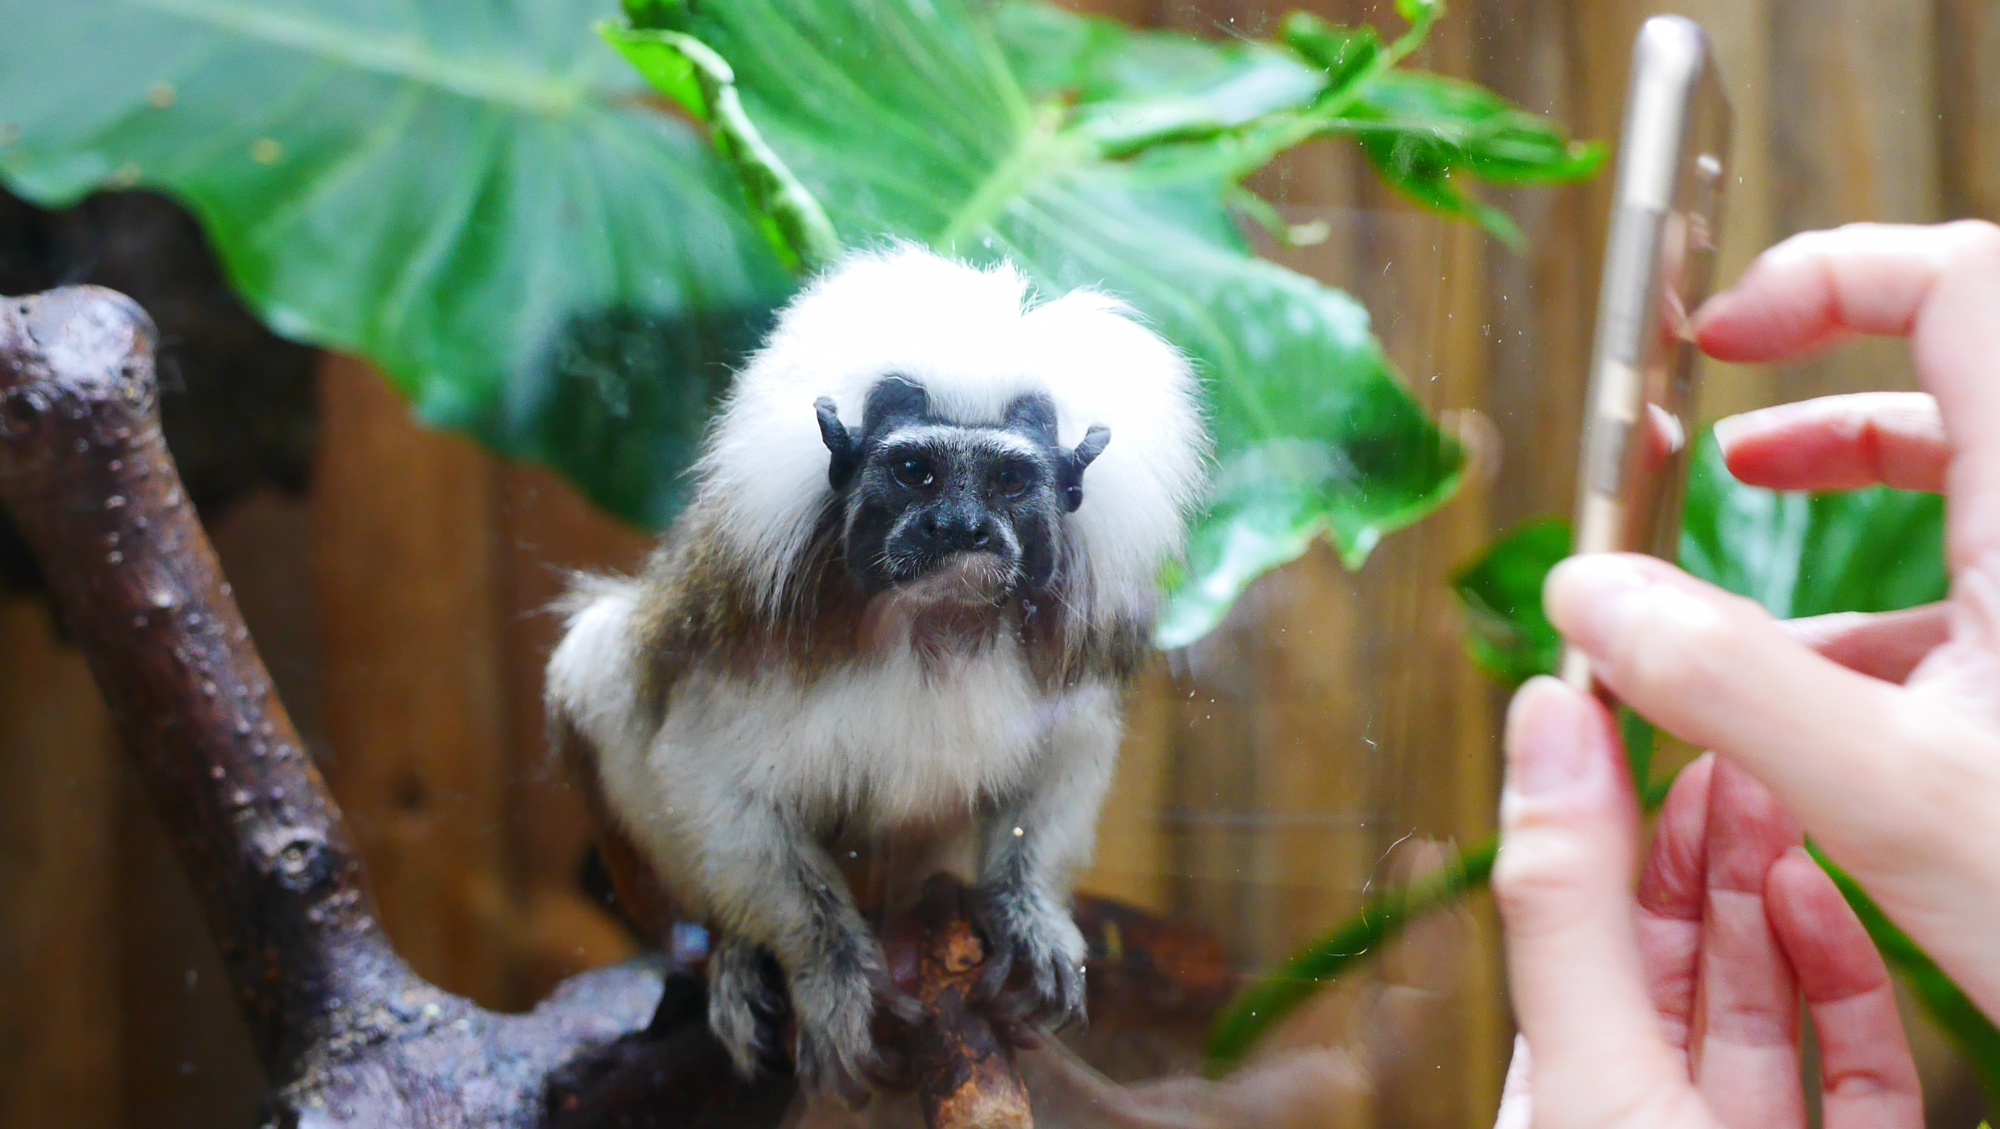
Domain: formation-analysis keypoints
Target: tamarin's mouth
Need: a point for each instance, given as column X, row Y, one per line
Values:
column 957, row 604
column 961, row 578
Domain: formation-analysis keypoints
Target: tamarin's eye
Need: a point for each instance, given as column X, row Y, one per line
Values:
column 1010, row 481
column 914, row 473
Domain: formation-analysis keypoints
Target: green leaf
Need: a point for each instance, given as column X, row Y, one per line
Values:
column 685, row 69
column 1797, row 554
column 1507, row 633
column 1344, row 54
column 481, row 199
column 1812, row 554
column 913, row 121
column 1427, row 134
column 1420, row 11
column 1134, row 89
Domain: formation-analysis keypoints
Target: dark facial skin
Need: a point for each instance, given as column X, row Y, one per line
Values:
column 921, row 494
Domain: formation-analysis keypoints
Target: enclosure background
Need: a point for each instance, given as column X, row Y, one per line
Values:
column 1267, row 775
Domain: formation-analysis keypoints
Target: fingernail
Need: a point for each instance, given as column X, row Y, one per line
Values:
column 1728, row 429
column 1731, row 430
column 1547, row 749
column 1591, row 597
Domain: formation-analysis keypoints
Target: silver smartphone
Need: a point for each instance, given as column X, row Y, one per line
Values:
column 1659, row 260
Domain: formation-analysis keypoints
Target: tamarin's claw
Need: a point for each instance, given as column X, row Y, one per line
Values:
column 1034, row 960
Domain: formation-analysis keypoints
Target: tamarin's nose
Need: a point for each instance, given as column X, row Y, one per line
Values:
column 957, row 531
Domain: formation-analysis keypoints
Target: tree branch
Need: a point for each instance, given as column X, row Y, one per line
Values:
column 348, row 1032
column 89, row 480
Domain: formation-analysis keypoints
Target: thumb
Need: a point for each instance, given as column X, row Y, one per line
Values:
column 1569, row 839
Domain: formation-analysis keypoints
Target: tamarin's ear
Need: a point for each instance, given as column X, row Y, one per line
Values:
column 846, row 447
column 1070, row 464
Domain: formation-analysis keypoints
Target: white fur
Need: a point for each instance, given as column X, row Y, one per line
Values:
column 976, row 339
column 883, row 741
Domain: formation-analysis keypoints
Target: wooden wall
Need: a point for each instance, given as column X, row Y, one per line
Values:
column 1271, row 772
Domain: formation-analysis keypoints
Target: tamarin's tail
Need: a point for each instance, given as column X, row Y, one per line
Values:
column 588, row 688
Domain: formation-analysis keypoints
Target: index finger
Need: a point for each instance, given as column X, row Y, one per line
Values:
column 1936, row 285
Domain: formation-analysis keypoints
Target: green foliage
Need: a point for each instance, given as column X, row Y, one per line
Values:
column 684, row 69
column 1799, row 555
column 481, row 200
column 1506, row 632
column 1344, row 53
column 1813, row 554
column 563, row 255
column 1090, row 154
column 1426, row 134
column 1130, row 90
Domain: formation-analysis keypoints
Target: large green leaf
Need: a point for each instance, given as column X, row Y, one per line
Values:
column 479, row 198
column 1093, row 155
column 1427, row 134
column 540, row 251
column 1133, row 89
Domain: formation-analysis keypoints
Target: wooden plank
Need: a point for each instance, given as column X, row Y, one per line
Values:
column 547, row 531
column 1541, row 303
column 1434, row 316
column 1273, row 836
column 411, row 674
column 1131, row 862
column 1968, row 84
column 186, row 1060
column 60, row 1025
column 1854, row 136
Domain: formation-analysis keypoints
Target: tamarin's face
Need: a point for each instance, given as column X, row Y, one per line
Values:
column 926, row 497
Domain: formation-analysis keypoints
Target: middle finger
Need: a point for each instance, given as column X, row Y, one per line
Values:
column 1840, row 443
column 1745, row 1053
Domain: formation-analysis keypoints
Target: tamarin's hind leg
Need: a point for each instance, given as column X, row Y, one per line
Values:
column 746, row 1004
column 1034, row 847
column 770, row 881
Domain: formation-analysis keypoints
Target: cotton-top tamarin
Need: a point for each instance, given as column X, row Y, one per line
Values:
column 915, row 577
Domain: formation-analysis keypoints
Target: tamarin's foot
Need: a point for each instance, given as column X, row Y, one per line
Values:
column 835, row 1001
column 1034, row 960
column 747, row 1009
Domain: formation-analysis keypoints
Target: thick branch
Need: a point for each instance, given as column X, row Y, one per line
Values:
column 88, row 478
column 351, row 1036
column 965, row 1072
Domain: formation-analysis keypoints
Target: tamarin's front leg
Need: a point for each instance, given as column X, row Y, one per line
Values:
column 1033, row 850
column 773, row 886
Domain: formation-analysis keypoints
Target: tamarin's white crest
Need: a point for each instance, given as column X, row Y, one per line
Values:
column 917, row 573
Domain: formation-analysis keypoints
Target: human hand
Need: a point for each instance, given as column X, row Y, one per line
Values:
column 1882, row 734
column 1680, row 1008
